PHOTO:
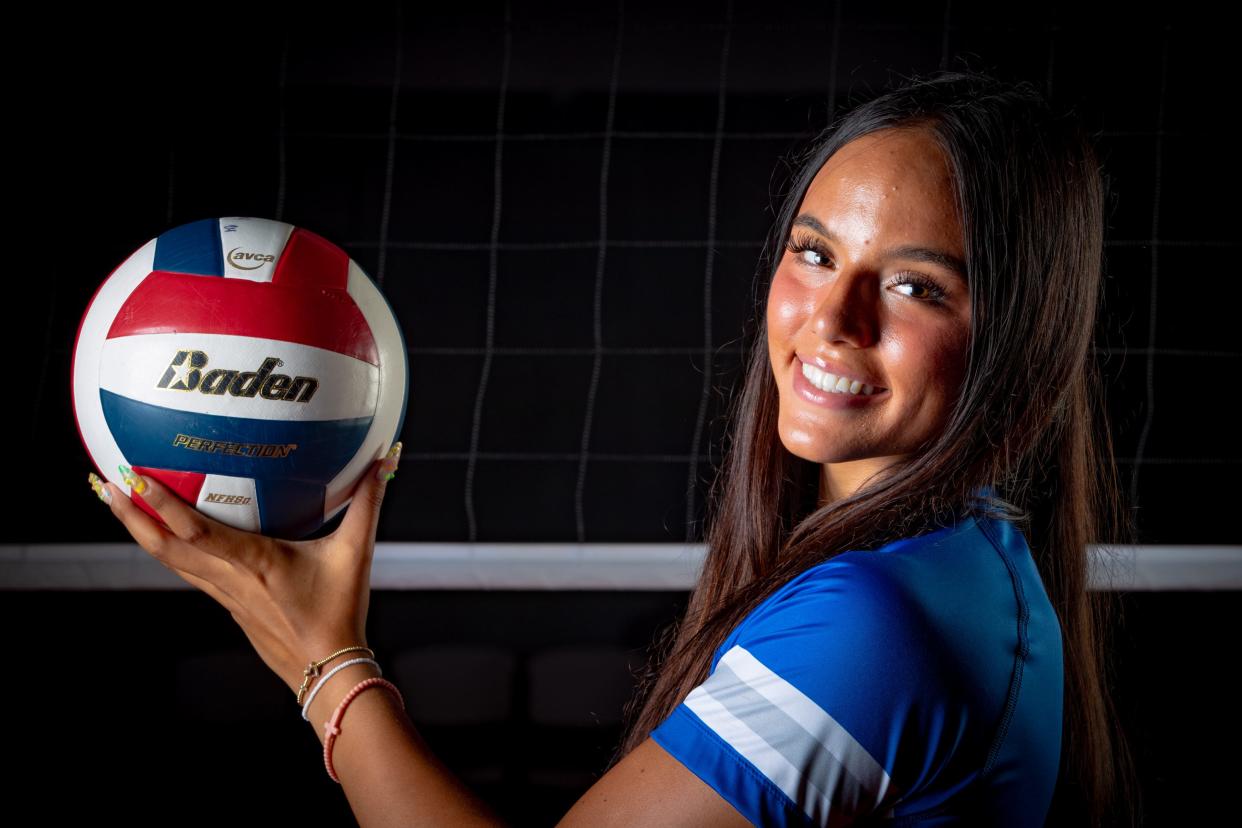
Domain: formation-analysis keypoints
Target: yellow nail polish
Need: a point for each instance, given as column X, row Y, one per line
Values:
column 388, row 467
column 133, row 480
column 100, row 489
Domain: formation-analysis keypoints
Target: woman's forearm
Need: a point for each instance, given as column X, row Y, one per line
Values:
column 390, row 775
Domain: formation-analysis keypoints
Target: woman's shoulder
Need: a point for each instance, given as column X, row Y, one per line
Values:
column 860, row 605
column 900, row 658
column 850, row 653
column 935, row 593
column 977, row 551
column 919, row 567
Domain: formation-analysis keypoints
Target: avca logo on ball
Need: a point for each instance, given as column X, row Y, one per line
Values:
column 242, row 260
column 185, row 373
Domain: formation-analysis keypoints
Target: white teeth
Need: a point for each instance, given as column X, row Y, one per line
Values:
column 833, row 383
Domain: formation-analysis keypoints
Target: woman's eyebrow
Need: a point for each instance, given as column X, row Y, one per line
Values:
column 906, row 251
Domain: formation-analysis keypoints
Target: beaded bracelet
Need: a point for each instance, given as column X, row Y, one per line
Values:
column 312, row 669
column 332, row 727
column 328, row 675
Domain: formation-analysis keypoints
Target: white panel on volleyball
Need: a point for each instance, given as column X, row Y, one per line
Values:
column 230, row 500
column 390, row 387
column 133, row 366
column 252, row 246
column 95, row 325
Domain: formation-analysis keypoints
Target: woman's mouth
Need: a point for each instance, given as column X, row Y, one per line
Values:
column 814, row 385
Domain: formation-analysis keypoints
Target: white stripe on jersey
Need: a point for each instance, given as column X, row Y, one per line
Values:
column 793, row 741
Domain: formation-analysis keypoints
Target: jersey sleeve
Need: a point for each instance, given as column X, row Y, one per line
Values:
column 827, row 703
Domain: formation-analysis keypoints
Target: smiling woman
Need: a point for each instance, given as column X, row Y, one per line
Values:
column 893, row 619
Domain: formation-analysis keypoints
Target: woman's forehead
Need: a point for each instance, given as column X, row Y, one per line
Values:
column 891, row 185
column 887, row 161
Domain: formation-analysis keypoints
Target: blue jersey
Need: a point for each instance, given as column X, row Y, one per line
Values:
column 916, row 684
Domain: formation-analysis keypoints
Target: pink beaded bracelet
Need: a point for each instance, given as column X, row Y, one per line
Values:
column 332, row 727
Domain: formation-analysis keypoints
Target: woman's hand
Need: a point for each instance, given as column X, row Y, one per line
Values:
column 296, row 601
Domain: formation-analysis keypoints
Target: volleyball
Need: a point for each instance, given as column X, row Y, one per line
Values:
column 249, row 365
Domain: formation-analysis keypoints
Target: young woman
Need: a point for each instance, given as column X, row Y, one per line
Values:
column 892, row 624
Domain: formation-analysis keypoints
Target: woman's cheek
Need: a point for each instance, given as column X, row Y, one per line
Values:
column 938, row 356
column 786, row 303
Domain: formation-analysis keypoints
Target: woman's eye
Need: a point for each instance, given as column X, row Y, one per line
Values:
column 807, row 251
column 922, row 288
column 813, row 257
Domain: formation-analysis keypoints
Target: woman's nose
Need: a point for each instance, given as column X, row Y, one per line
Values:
column 846, row 312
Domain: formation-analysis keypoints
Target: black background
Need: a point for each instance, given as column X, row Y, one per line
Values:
column 458, row 155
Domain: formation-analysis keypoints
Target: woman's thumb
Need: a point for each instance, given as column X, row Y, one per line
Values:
column 362, row 516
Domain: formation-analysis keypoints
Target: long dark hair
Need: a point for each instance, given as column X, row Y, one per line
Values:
column 1030, row 421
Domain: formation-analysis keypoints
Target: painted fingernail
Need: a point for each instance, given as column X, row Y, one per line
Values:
column 133, row 480
column 100, row 489
column 388, row 468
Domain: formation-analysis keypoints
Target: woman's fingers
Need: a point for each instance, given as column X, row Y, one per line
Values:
column 139, row 523
column 165, row 546
column 196, row 532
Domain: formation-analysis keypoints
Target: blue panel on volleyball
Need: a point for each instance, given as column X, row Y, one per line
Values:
column 289, row 508
column 150, row 435
column 191, row 248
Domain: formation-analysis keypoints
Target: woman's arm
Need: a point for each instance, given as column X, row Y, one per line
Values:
column 389, row 774
column 392, row 778
column 298, row 600
column 651, row 788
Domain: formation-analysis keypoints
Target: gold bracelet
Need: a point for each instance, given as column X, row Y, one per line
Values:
column 312, row 669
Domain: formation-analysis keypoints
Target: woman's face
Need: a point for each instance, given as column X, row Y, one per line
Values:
column 871, row 288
